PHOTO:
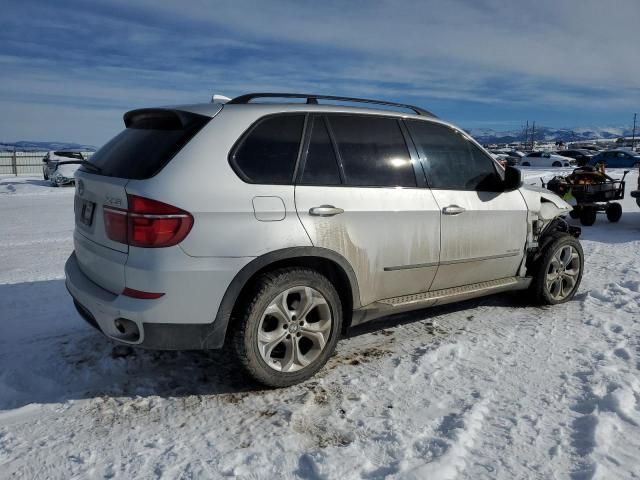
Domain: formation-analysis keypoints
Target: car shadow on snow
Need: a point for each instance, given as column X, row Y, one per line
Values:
column 430, row 315
column 48, row 354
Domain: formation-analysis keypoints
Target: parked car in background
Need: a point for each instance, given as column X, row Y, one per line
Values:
column 581, row 156
column 514, row 157
column 501, row 158
column 51, row 159
column 546, row 159
column 270, row 228
column 63, row 173
column 592, row 148
column 616, row 159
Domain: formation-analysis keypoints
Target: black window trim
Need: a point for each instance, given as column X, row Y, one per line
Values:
column 418, row 171
column 458, row 132
column 304, row 151
column 241, row 139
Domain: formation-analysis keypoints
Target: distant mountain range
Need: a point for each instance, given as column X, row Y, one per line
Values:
column 482, row 135
column 545, row 134
column 28, row 146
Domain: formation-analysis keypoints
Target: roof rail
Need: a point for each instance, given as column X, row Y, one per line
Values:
column 313, row 100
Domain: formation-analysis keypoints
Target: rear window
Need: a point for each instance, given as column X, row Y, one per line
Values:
column 152, row 138
column 267, row 154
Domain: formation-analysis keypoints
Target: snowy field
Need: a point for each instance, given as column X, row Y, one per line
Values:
column 490, row 388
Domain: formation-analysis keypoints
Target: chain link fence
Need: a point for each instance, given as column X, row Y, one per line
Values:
column 24, row 163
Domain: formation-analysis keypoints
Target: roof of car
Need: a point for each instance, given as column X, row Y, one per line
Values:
column 210, row 109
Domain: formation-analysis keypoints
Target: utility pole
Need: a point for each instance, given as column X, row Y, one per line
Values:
column 533, row 135
column 526, row 135
column 633, row 135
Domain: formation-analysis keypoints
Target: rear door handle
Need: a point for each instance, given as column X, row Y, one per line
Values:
column 325, row 211
column 453, row 210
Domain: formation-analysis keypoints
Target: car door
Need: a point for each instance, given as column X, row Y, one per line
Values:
column 357, row 194
column 483, row 230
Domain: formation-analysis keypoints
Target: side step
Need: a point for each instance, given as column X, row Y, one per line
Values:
column 455, row 294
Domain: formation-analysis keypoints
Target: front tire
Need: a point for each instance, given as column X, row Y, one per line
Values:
column 557, row 274
column 588, row 216
column 290, row 327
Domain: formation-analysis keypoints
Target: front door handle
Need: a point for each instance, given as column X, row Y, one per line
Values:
column 453, row 210
column 325, row 211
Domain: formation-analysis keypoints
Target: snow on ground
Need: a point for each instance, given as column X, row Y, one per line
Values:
column 489, row 388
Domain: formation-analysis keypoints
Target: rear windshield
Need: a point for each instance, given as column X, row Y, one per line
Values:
column 152, row 138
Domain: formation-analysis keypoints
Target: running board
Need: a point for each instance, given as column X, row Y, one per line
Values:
column 456, row 294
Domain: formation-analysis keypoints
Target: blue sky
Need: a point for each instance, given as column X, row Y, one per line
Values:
column 71, row 68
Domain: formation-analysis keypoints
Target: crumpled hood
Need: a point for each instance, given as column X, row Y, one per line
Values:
column 547, row 205
column 547, row 195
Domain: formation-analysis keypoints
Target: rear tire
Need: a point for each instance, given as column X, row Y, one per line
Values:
column 614, row 212
column 525, row 164
column 557, row 274
column 556, row 164
column 289, row 329
column 588, row 216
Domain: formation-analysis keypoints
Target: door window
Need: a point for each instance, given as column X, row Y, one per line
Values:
column 451, row 161
column 373, row 151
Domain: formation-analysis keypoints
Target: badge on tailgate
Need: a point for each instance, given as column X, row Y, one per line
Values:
column 86, row 212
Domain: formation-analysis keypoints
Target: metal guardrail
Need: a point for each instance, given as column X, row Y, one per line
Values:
column 21, row 163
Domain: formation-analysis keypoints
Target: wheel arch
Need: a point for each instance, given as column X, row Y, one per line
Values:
column 329, row 263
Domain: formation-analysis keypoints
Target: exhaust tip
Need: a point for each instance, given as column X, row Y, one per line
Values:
column 127, row 330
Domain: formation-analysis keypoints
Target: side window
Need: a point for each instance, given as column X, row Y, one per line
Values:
column 373, row 151
column 321, row 165
column 268, row 153
column 451, row 161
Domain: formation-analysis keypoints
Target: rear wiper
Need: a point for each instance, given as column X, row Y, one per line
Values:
column 91, row 166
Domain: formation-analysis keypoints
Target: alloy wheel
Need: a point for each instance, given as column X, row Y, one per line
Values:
column 294, row 329
column 563, row 272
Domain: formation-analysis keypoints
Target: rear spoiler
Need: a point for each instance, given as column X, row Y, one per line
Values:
column 160, row 119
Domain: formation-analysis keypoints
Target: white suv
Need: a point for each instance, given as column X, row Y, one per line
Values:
column 270, row 228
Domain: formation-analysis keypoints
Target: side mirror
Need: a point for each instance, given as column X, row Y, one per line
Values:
column 512, row 178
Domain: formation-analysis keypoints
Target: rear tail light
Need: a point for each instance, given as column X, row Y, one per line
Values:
column 147, row 223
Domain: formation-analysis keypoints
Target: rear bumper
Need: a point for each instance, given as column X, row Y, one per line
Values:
column 635, row 194
column 153, row 329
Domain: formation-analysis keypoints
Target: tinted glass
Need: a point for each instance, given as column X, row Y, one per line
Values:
column 321, row 166
column 268, row 153
column 452, row 162
column 373, row 151
column 147, row 144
